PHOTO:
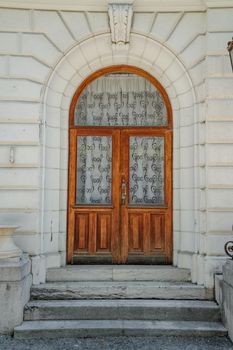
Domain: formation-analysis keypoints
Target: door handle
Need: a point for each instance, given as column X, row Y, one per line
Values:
column 123, row 191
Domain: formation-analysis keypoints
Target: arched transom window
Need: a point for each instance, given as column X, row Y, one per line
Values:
column 120, row 99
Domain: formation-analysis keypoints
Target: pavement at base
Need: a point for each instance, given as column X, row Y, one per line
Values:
column 118, row 343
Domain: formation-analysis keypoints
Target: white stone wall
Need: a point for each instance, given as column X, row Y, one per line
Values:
column 219, row 139
column 44, row 56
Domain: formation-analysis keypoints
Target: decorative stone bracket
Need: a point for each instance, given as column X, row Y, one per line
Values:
column 120, row 19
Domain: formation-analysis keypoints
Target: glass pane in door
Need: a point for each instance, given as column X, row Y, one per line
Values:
column 121, row 99
column 146, row 173
column 94, row 170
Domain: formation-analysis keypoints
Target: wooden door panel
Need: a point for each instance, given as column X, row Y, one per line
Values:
column 147, row 227
column 81, row 239
column 135, row 233
column 103, row 234
column 146, row 233
column 93, row 228
column 93, row 233
column 157, row 233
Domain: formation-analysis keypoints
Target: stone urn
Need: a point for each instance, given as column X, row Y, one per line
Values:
column 8, row 249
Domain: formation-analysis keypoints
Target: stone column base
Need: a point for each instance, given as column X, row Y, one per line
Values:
column 227, row 296
column 15, row 284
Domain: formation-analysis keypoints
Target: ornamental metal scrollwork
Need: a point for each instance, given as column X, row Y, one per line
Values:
column 146, row 170
column 94, row 172
column 133, row 101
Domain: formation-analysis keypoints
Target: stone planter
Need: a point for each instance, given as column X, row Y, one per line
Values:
column 8, row 249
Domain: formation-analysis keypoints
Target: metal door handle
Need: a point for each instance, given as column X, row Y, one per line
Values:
column 123, row 191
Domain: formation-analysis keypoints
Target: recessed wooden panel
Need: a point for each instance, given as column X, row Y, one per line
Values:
column 104, row 232
column 157, row 234
column 81, row 232
column 135, row 232
column 92, row 232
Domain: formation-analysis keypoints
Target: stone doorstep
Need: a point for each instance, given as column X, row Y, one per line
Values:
column 93, row 328
column 118, row 273
column 164, row 310
column 136, row 307
column 120, row 290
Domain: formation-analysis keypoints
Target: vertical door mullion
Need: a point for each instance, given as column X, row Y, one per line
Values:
column 116, row 161
column 71, row 192
column 124, row 231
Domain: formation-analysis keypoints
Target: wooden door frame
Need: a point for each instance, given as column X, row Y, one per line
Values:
column 72, row 145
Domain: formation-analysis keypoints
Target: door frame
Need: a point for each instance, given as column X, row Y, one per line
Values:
column 72, row 147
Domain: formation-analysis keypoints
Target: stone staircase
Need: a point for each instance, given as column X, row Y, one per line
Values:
column 89, row 301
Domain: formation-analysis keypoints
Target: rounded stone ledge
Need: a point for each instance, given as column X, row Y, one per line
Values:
column 8, row 248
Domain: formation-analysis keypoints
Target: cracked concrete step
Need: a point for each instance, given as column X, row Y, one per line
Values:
column 120, row 290
column 183, row 310
column 117, row 273
column 96, row 328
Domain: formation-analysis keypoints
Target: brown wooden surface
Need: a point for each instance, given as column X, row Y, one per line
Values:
column 147, row 229
column 120, row 233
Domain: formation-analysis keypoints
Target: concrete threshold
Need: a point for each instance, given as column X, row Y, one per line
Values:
column 118, row 273
column 93, row 328
column 120, row 290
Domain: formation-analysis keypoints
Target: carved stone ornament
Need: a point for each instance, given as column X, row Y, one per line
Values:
column 120, row 17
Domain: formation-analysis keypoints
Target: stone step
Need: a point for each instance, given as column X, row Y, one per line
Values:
column 97, row 328
column 117, row 273
column 166, row 310
column 120, row 290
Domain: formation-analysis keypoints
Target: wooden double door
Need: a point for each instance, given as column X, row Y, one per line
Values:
column 120, row 195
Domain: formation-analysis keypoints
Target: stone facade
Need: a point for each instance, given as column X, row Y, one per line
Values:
column 47, row 48
column 227, row 297
column 15, row 284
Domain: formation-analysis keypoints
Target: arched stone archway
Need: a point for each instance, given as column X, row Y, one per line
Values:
column 155, row 58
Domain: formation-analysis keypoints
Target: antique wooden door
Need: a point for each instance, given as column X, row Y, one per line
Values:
column 120, row 181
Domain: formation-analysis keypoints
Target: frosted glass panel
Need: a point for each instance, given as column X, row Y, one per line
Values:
column 121, row 100
column 94, row 170
column 146, row 174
